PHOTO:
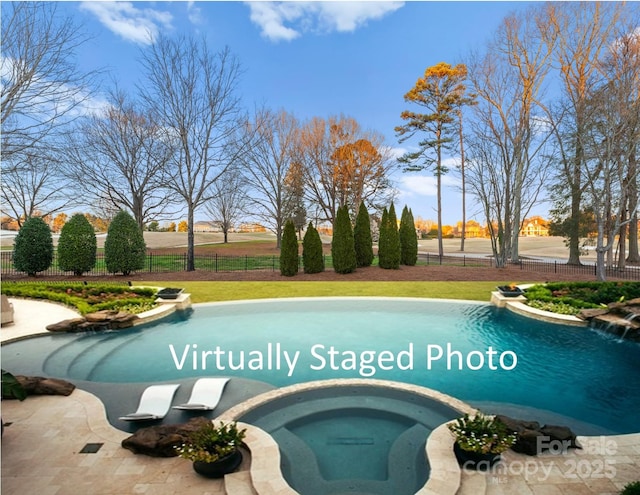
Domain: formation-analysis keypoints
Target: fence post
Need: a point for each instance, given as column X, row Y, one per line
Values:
column 216, row 263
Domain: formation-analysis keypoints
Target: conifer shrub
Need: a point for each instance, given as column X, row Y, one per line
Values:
column 124, row 248
column 408, row 238
column 33, row 247
column 389, row 242
column 362, row 237
column 343, row 249
column 312, row 257
column 77, row 246
column 289, row 250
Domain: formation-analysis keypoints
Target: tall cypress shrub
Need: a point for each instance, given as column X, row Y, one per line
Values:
column 33, row 247
column 362, row 237
column 77, row 246
column 389, row 244
column 343, row 249
column 312, row 258
column 408, row 238
column 289, row 250
column 124, row 248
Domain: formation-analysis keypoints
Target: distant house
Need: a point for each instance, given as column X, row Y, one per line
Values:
column 535, row 227
column 203, row 226
column 251, row 227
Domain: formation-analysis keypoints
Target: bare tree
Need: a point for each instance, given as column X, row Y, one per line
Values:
column 509, row 133
column 34, row 184
column 579, row 34
column 192, row 92
column 42, row 87
column 228, row 200
column 611, row 143
column 266, row 166
column 121, row 156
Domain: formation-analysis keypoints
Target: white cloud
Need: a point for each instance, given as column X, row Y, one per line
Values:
column 129, row 22
column 194, row 13
column 412, row 184
column 273, row 17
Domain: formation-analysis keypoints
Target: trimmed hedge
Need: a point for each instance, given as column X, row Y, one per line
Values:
column 363, row 242
column 124, row 248
column 289, row 250
column 343, row 249
column 77, row 246
column 312, row 258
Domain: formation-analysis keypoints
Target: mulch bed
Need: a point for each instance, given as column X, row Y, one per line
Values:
column 414, row 273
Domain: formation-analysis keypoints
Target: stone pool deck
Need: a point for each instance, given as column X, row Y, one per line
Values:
column 43, row 442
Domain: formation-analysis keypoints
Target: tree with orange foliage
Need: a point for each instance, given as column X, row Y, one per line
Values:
column 343, row 165
column 441, row 92
column 59, row 221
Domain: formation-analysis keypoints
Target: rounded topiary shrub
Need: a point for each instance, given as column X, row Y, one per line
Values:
column 77, row 246
column 289, row 250
column 408, row 239
column 343, row 249
column 312, row 258
column 124, row 248
column 362, row 237
column 33, row 247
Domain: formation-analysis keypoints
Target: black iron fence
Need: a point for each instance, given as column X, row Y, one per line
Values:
column 176, row 262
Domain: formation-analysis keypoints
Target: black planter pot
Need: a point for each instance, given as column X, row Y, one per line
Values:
column 220, row 467
column 169, row 293
column 507, row 291
column 474, row 460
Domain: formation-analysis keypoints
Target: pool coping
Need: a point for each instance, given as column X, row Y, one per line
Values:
column 265, row 472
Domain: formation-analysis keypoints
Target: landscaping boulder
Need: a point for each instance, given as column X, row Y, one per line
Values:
column 39, row 385
column 534, row 439
column 100, row 320
column 162, row 440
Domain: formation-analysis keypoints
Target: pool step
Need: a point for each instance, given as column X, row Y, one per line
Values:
column 239, row 484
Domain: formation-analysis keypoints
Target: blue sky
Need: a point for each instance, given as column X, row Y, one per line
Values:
column 309, row 58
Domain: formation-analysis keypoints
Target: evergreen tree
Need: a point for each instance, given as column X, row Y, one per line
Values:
column 33, row 247
column 408, row 238
column 343, row 249
column 362, row 237
column 389, row 243
column 289, row 250
column 312, row 257
column 77, row 246
column 124, row 248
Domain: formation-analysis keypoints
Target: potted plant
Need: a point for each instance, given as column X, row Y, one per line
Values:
column 213, row 449
column 480, row 441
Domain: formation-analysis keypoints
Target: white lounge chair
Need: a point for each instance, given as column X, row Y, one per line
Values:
column 205, row 394
column 154, row 403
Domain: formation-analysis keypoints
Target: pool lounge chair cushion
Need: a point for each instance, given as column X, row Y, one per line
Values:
column 205, row 395
column 154, row 403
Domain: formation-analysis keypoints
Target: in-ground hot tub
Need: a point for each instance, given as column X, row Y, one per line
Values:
column 364, row 437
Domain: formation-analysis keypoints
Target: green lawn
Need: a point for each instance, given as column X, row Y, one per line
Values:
column 229, row 291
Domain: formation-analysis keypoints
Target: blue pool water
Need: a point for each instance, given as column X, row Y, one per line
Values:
column 574, row 372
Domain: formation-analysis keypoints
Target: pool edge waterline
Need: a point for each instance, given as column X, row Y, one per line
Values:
column 265, row 467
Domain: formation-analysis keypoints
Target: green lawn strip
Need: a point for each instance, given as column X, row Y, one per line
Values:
column 230, row 291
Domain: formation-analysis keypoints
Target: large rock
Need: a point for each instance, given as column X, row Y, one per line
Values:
column 100, row 320
column 534, row 440
column 39, row 385
column 162, row 440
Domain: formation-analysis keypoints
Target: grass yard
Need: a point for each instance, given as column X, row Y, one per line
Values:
column 230, row 291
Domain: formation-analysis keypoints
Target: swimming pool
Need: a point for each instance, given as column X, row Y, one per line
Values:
column 476, row 352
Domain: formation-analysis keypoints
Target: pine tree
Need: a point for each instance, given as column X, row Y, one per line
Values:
column 124, row 248
column 343, row 249
column 289, row 250
column 362, row 237
column 312, row 257
column 389, row 243
column 33, row 247
column 77, row 246
column 408, row 238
